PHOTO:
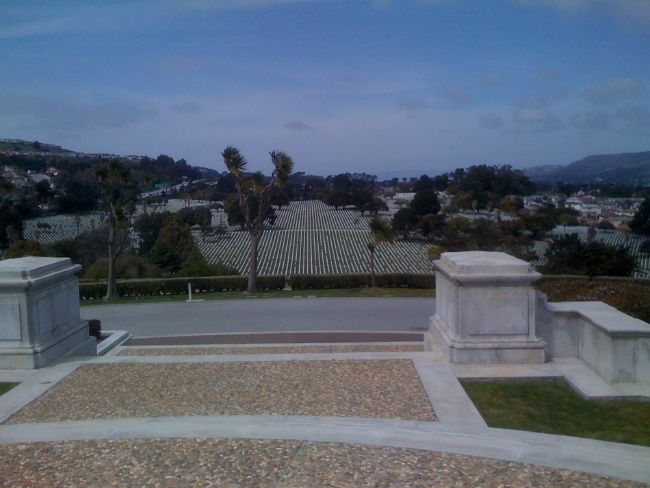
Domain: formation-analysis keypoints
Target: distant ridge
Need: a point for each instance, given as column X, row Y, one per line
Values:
column 624, row 168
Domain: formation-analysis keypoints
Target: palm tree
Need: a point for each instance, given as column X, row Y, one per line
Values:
column 254, row 197
column 380, row 231
column 112, row 178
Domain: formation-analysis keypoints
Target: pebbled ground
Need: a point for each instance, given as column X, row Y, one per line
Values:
column 370, row 388
column 262, row 463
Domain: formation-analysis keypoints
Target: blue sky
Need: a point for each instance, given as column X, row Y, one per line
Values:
column 408, row 87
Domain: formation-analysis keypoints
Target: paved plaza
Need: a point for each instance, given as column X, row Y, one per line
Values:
column 373, row 414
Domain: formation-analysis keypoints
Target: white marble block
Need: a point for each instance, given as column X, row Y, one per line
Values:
column 39, row 313
column 485, row 309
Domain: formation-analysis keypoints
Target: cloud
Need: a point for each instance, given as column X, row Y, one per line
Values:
column 413, row 104
column 74, row 114
column 631, row 12
column 536, row 120
column 628, row 12
column 178, row 65
column 546, row 74
column 456, row 95
column 186, row 107
column 635, row 118
column 592, row 120
column 615, row 90
column 382, row 4
column 562, row 5
column 493, row 80
column 297, row 125
column 28, row 21
column 348, row 79
column 491, row 121
column 539, row 100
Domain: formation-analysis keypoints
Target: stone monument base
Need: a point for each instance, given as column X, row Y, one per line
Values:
column 76, row 343
column 39, row 313
column 488, row 351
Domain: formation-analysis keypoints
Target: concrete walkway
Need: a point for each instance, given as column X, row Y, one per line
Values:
column 604, row 458
column 266, row 315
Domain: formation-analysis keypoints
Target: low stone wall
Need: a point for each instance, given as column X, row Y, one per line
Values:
column 613, row 344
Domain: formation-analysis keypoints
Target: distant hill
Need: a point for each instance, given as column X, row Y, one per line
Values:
column 36, row 156
column 18, row 146
column 624, row 168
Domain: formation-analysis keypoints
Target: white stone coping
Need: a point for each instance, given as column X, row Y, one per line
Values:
column 267, row 357
column 29, row 271
column 114, row 339
column 274, row 344
column 483, row 262
column 485, row 268
column 607, row 318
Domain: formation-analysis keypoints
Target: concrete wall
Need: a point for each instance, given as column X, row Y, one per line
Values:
column 613, row 344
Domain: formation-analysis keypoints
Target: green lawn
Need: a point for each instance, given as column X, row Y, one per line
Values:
column 5, row 387
column 230, row 295
column 554, row 408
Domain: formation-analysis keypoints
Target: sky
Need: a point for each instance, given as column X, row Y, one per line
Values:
column 388, row 87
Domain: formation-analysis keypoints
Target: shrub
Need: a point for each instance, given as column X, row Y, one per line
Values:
column 196, row 265
column 308, row 282
column 387, row 280
column 568, row 255
column 95, row 328
column 178, row 286
column 629, row 295
column 25, row 248
column 128, row 267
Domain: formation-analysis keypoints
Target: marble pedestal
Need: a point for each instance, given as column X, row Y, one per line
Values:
column 485, row 309
column 39, row 313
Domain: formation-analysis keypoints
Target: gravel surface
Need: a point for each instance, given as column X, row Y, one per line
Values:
column 261, row 463
column 198, row 351
column 373, row 389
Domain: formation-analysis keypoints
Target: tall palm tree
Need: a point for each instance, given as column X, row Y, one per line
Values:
column 254, row 196
column 380, row 231
column 112, row 178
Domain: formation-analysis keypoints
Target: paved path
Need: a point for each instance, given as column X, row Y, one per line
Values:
column 605, row 458
column 266, row 315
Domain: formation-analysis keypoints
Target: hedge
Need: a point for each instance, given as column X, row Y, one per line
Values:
column 362, row 280
column 178, row 286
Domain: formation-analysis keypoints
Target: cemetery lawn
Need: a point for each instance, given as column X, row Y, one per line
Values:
column 233, row 295
column 5, row 387
column 553, row 407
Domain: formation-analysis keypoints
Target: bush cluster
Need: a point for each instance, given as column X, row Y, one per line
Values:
column 95, row 329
